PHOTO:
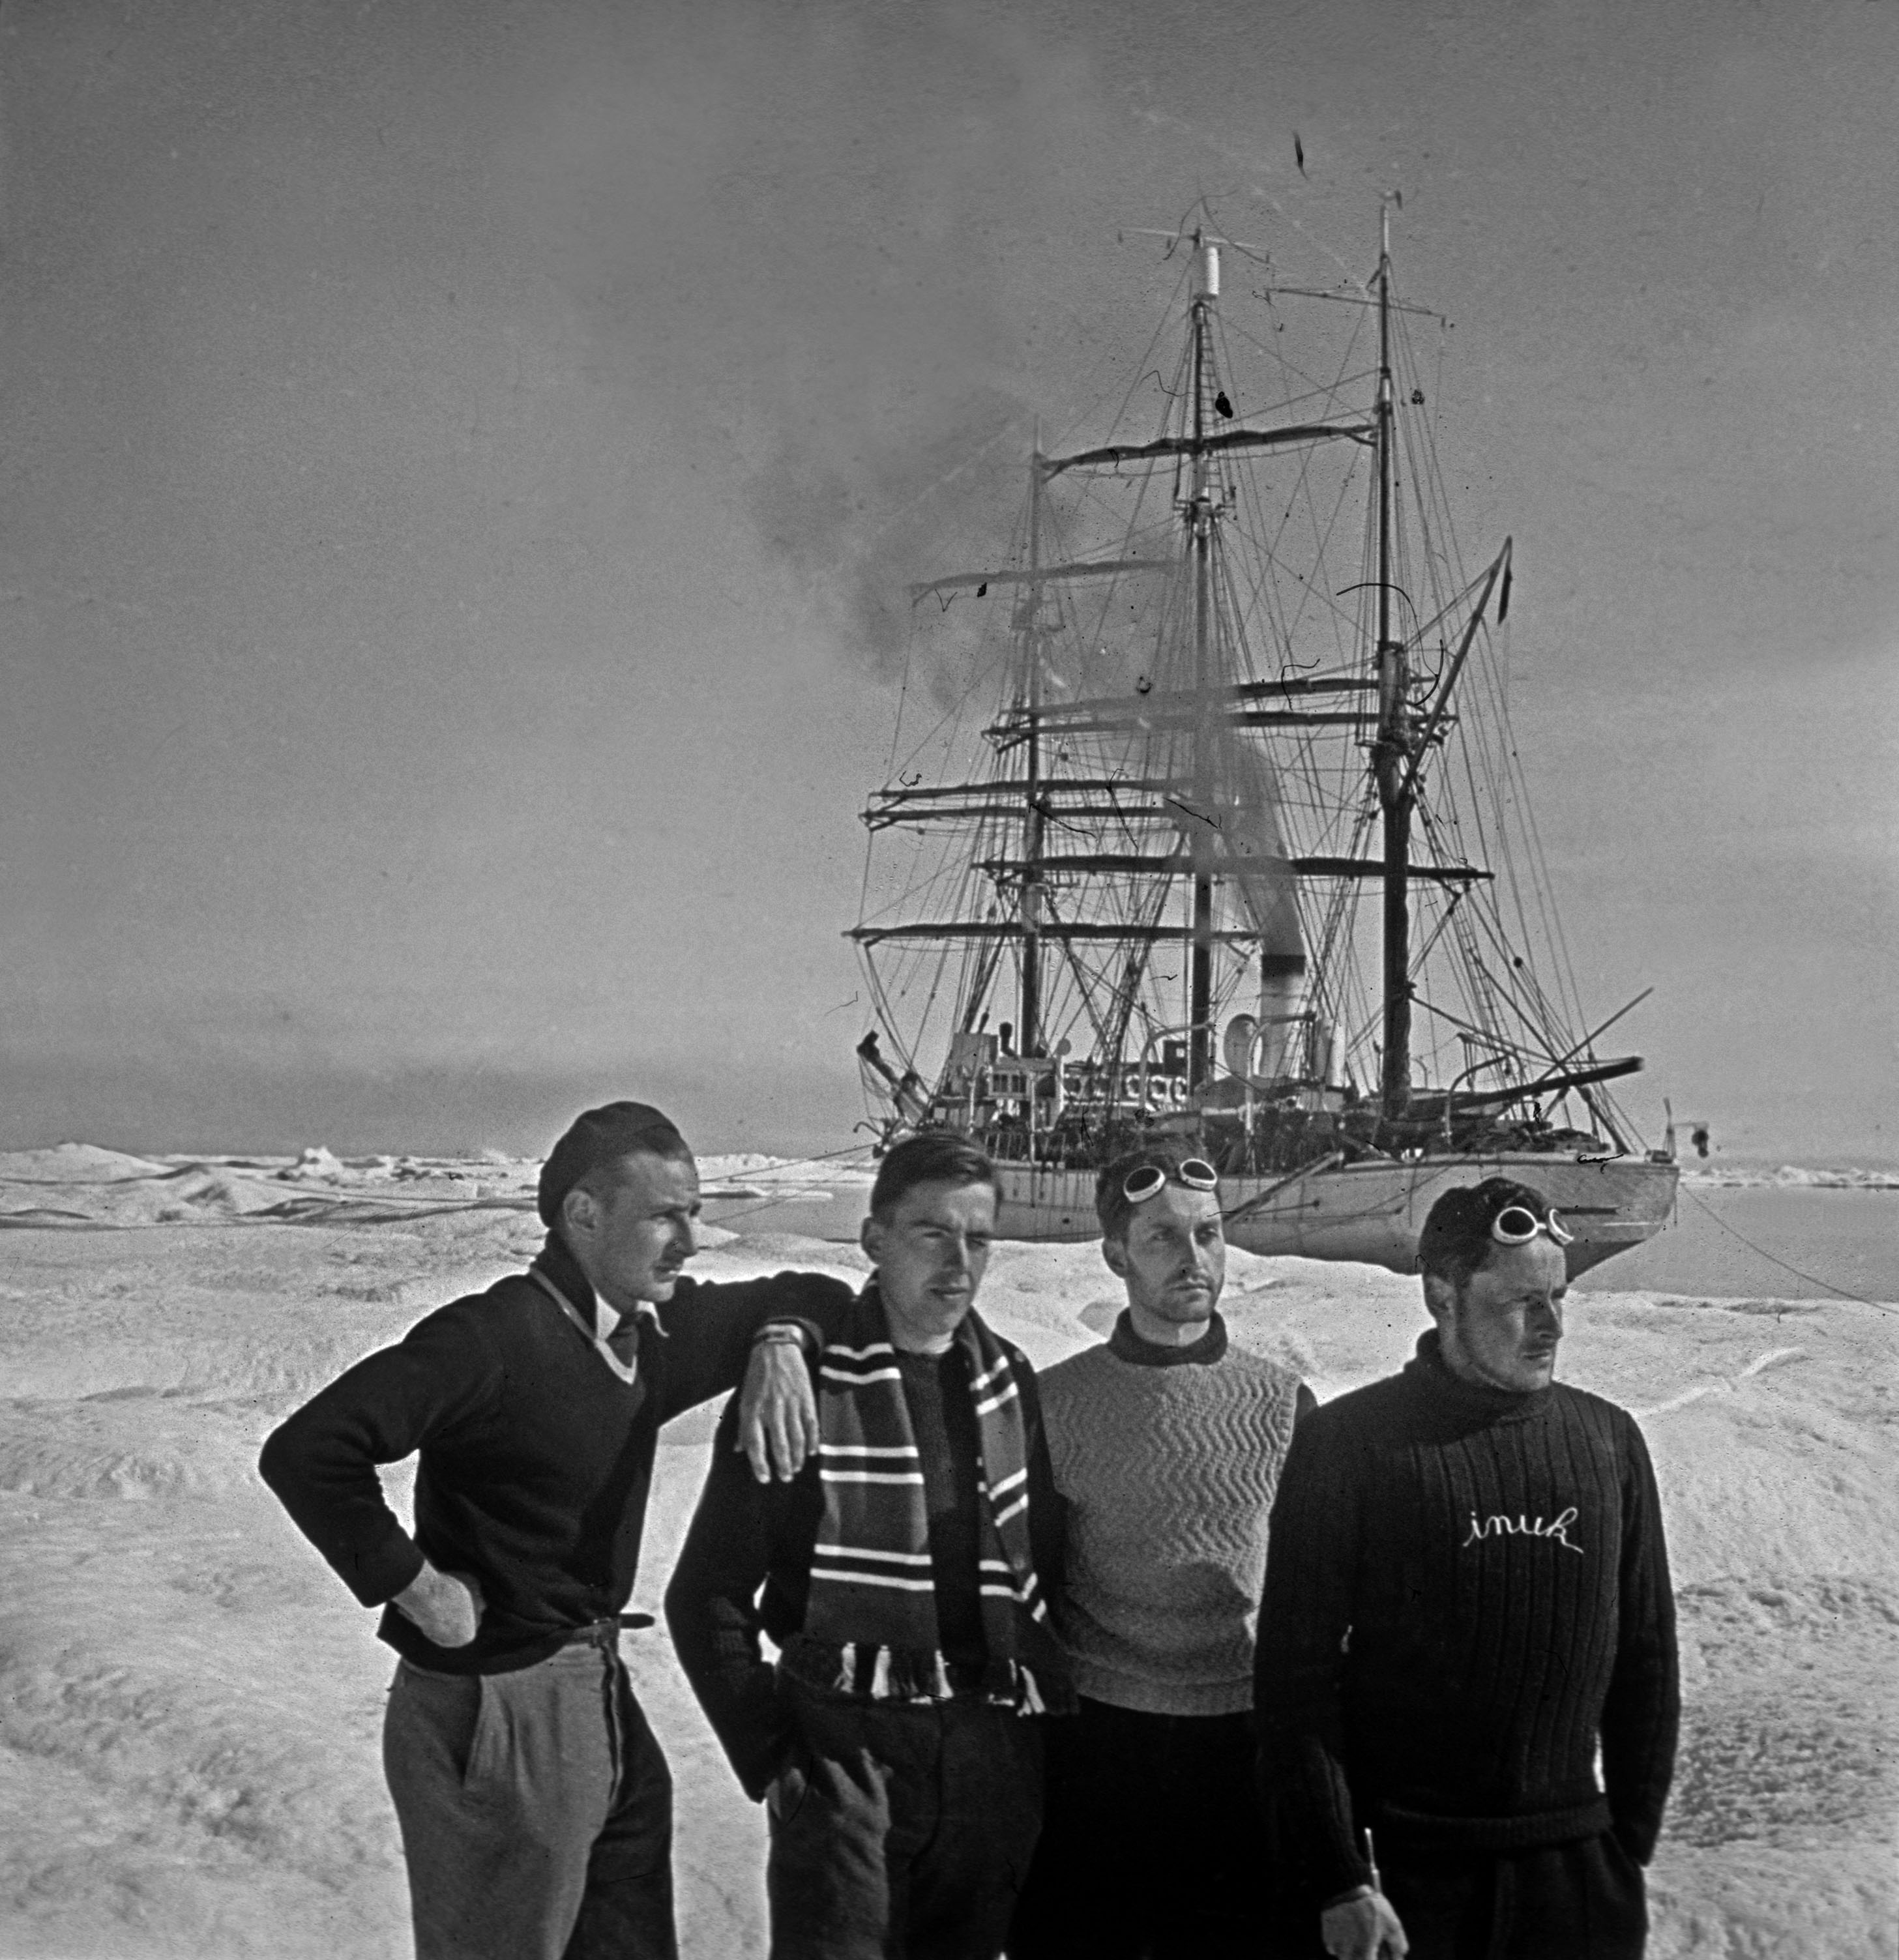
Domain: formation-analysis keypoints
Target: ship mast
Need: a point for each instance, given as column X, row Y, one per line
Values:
column 1391, row 751
column 1114, row 821
column 1200, row 519
column 1028, row 1036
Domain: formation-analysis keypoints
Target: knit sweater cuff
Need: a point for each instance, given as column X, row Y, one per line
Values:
column 376, row 1577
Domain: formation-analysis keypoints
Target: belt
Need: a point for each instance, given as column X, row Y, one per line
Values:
column 1527, row 1831
column 605, row 1633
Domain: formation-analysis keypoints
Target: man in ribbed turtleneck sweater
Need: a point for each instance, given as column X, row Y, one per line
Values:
column 1166, row 1443
column 1466, row 1643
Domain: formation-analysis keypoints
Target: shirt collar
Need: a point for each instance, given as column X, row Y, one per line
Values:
column 612, row 1335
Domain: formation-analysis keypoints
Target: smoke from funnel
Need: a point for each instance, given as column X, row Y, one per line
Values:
column 859, row 324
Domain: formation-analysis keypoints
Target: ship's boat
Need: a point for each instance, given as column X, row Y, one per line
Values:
column 1204, row 817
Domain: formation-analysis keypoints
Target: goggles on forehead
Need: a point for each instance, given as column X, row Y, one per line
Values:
column 1143, row 1181
column 1517, row 1225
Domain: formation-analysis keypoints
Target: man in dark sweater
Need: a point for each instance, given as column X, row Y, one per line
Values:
column 1467, row 1607
column 534, row 1802
column 1166, row 1442
column 898, row 1576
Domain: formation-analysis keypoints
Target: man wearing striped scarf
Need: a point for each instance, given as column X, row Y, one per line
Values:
column 894, row 1742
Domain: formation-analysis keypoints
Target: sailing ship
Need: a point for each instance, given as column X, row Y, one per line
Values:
column 1214, row 827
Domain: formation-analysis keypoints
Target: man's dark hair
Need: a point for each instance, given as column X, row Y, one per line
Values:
column 1112, row 1205
column 594, row 1146
column 933, row 1157
column 1456, row 1239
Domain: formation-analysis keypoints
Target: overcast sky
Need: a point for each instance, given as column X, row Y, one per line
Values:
column 446, row 442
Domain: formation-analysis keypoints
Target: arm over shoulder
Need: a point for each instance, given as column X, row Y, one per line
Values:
column 710, row 1324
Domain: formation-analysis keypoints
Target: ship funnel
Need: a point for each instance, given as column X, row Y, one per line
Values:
column 1282, row 980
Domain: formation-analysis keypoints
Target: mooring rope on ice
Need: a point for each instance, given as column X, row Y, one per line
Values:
column 794, row 1163
column 1812, row 1279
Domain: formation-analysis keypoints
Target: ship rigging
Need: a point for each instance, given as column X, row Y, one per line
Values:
column 1225, row 714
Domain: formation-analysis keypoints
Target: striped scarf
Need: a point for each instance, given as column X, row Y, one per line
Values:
column 872, row 1601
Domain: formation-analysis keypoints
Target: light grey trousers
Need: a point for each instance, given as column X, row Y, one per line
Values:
column 536, row 1811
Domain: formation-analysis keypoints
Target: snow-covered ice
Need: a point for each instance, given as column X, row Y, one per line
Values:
column 190, row 1703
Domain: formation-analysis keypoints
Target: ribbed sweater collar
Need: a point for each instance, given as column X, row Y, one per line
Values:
column 1126, row 1345
column 1428, row 1374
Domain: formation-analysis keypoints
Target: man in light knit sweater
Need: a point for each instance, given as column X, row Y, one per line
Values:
column 1166, row 1443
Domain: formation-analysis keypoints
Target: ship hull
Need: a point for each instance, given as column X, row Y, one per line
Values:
column 1370, row 1212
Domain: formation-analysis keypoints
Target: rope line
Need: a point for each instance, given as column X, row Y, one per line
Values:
column 1813, row 1279
column 795, row 1163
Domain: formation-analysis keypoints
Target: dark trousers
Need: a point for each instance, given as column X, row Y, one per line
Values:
column 1582, row 1900
column 537, row 1812
column 1152, row 1845
column 900, row 1831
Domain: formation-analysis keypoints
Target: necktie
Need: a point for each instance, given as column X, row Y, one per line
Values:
column 624, row 1340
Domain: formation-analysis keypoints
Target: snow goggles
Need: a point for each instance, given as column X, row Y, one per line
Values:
column 1517, row 1225
column 1145, row 1179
